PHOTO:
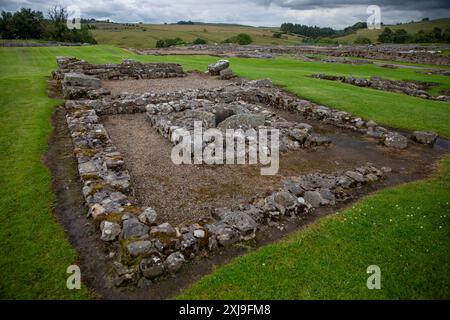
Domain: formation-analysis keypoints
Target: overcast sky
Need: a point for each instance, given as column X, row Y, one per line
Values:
column 334, row 13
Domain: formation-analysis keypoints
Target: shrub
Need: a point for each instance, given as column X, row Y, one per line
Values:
column 241, row 39
column 362, row 40
column 276, row 35
column 199, row 41
column 165, row 43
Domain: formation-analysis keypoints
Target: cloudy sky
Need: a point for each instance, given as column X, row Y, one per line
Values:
column 334, row 13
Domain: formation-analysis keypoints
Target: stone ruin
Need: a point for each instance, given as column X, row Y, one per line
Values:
column 80, row 79
column 394, row 52
column 411, row 88
column 147, row 248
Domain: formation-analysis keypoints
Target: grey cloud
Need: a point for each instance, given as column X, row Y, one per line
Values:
column 408, row 5
column 335, row 13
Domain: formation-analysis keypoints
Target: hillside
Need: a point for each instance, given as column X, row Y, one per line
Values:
column 409, row 27
column 146, row 35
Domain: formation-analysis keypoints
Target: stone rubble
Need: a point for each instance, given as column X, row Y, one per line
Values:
column 410, row 88
column 259, row 93
column 429, row 54
column 169, row 118
column 149, row 248
column 110, row 203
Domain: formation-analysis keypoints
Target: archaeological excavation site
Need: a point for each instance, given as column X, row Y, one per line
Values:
column 147, row 227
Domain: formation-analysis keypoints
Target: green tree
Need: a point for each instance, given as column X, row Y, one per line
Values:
column 199, row 41
column 420, row 37
column 23, row 24
column 57, row 29
column 7, row 25
column 436, row 35
column 446, row 35
column 386, row 36
column 401, row 36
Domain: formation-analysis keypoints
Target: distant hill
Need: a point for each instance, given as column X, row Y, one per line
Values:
column 411, row 28
column 139, row 35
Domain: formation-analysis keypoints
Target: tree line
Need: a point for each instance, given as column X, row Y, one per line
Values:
column 30, row 24
column 401, row 36
column 318, row 32
column 388, row 35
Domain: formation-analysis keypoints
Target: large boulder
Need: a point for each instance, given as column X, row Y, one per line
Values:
column 110, row 230
column 75, row 79
column 152, row 267
column 163, row 230
column 244, row 121
column 226, row 74
column 424, row 137
column 215, row 68
column 174, row 261
column 207, row 118
column 395, row 140
column 283, row 201
column 139, row 247
column 241, row 222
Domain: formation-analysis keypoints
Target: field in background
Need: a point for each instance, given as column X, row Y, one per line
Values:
column 35, row 251
column 411, row 28
column 146, row 35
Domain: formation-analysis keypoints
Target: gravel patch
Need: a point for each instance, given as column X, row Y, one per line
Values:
column 179, row 193
column 193, row 80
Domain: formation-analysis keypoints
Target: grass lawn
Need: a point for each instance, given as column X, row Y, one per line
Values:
column 403, row 230
column 34, row 249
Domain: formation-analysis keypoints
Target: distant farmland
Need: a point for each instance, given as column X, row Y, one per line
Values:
column 146, row 35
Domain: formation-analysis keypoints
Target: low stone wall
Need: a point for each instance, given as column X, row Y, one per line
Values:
column 393, row 52
column 6, row 43
column 415, row 89
column 128, row 69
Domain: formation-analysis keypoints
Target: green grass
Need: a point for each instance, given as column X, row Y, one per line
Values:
column 403, row 230
column 411, row 28
column 146, row 35
column 34, row 249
